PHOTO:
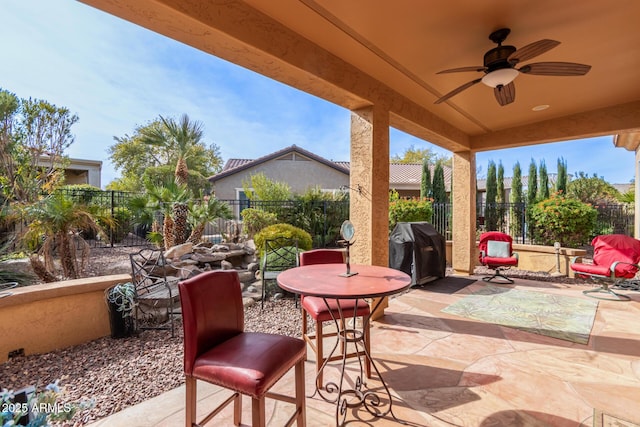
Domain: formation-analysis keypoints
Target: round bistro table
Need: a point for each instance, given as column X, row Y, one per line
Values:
column 329, row 282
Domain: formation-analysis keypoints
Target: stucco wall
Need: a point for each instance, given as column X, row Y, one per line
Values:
column 299, row 174
column 41, row 318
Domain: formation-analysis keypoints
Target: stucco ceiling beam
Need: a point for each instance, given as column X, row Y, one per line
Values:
column 604, row 121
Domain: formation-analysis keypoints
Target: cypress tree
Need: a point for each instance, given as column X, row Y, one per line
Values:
column 543, row 191
column 532, row 183
column 517, row 201
column 425, row 184
column 491, row 219
column 438, row 188
column 500, row 196
column 532, row 194
column 561, row 182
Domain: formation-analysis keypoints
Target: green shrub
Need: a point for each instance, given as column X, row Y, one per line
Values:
column 254, row 220
column 408, row 210
column 81, row 193
column 564, row 220
column 120, row 226
column 283, row 230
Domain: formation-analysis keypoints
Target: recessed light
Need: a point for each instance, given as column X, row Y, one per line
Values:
column 540, row 107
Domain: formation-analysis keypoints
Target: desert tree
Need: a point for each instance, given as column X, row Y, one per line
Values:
column 32, row 130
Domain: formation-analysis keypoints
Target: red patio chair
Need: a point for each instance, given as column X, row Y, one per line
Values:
column 317, row 309
column 218, row 351
column 615, row 260
column 497, row 254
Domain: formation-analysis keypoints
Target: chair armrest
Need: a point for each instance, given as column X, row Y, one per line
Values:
column 575, row 259
column 615, row 264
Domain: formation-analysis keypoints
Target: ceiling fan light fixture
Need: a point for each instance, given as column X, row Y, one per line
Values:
column 501, row 77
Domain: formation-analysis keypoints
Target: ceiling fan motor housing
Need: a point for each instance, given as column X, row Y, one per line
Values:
column 497, row 58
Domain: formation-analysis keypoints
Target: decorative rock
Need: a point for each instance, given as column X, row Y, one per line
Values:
column 245, row 276
column 203, row 245
column 188, row 271
column 235, row 253
column 254, row 266
column 248, row 302
column 176, row 252
column 220, row 248
column 226, row 265
column 208, row 257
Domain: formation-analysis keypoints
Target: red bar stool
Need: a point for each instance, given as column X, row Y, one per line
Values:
column 218, row 351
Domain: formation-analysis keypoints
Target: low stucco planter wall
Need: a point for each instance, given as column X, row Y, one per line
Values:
column 42, row 318
column 538, row 258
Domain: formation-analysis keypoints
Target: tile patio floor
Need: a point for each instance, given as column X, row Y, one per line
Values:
column 444, row 370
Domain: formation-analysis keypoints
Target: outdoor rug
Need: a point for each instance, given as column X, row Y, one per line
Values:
column 557, row 316
column 601, row 419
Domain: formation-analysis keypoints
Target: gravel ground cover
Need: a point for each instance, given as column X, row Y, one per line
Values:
column 117, row 373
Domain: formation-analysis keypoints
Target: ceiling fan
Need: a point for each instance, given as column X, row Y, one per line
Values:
column 500, row 67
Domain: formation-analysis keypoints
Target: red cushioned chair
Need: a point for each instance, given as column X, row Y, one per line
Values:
column 615, row 260
column 218, row 351
column 496, row 253
column 317, row 309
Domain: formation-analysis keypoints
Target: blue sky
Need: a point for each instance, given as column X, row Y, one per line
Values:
column 115, row 76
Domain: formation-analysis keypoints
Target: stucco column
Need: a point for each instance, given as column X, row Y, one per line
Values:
column 636, row 218
column 464, row 212
column 369, row 182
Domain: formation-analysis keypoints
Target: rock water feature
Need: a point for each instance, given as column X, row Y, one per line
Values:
column 188, row 260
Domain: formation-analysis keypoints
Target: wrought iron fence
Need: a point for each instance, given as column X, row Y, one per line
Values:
column 615, row 219
column 322, row 219
column 511, row 218
column 508, row 218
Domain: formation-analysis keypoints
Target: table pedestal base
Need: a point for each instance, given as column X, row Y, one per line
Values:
column 359, row 395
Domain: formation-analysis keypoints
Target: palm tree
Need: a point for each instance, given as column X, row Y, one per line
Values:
column 171, row 199
column 59, row 220
column 180, row 137
column 202, row 213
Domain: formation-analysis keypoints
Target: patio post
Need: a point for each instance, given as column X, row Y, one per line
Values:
column 369, row 182
column 464, row 212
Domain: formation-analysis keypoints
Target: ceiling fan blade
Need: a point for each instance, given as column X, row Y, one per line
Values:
column 532, row 50
column 458, row 90
column 462, row 69
column 555, row 69
column 505, row 94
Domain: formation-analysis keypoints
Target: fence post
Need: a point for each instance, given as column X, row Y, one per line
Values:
column 112, row 217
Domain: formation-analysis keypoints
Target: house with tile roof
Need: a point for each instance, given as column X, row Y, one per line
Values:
column 302, row 170
column 299, row 168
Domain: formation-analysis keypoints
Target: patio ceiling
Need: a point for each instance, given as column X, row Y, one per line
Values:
column 361, row 52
